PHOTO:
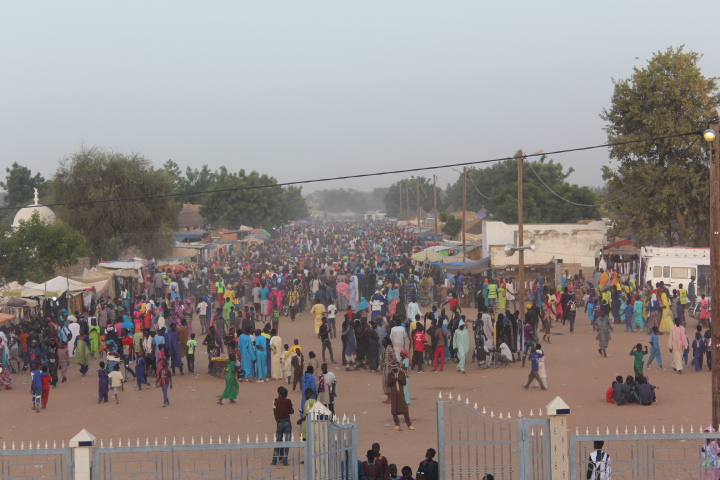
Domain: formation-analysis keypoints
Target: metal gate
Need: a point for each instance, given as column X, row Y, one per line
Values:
column 47, row 463
column 473, row 443
column 331, row 452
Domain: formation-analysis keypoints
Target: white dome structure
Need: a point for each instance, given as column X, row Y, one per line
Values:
column 25, row 214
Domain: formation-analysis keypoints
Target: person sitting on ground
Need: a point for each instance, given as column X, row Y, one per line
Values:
column 609, row 393
column 621, row 392
column 645, row 392
column 630, row 382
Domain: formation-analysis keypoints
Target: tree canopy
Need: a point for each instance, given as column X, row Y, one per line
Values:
column 20, row 185
column 348, row 199
column 453, row 224
column 35, row 249
column 111, row 227
column 246, row 205
column 668, row 96
column 495, row 188
column 409, row 191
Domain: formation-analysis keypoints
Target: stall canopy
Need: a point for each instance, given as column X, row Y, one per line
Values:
column 17, row 302
column 27, row 292
column 121, row 265
column 465, row 267
column 64, row 284
column 6, row 317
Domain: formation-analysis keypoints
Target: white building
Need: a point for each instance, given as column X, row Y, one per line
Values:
column 572, row 243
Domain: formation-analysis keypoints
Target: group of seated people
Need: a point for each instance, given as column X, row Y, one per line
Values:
column 631, row 390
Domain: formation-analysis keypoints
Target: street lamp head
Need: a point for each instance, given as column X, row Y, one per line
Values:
column 709, row 135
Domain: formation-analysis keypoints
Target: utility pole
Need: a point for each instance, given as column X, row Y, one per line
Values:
column 521, row 256
column 463, row 210
column 400, row 187
column 435, row 200
column 715, row 262
column 407, row 199
column 417, row 183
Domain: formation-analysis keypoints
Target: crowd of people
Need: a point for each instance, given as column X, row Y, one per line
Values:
column 393, row 316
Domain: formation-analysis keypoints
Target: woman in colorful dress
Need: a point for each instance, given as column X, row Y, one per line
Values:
column 232, row 387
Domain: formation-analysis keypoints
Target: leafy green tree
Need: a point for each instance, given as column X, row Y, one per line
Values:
column 341, row 200
column 409, row 190
column 113, row 226
column 668, row 96
column 198, row 181
column 20, row 184
column 295, row 205
column 256, row 207
column 495, row 188
column 453, row 225
column 35, row 249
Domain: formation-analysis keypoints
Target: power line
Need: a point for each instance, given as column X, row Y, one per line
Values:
column 349, row 177
column 483, row 195
column 682, row 154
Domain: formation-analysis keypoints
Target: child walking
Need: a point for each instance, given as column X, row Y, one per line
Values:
column 164, row 379
column 116, row 379
column 36, row 388
column 655, row 349
column 191, row 345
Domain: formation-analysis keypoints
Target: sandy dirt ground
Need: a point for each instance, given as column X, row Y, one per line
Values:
column 575, row 371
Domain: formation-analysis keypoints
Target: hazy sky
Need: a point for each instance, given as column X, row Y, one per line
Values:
column 307, row 89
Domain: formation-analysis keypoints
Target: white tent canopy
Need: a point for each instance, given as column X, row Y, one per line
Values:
column 64, row 284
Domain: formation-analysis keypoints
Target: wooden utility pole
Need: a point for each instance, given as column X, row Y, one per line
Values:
column 417, row 183
column 400, row 186
column 435, row 203
column 521, row 253
column 715, row 264
column 407, row 199
column 463, row 210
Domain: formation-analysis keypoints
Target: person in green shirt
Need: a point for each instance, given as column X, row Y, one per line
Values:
column 191, row 344
column 639, row 353
column 228, row 307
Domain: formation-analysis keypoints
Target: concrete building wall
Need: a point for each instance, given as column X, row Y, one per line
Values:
column 576, row 247
column 500, row 233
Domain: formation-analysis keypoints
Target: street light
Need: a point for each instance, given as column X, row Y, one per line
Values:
column 711, row 136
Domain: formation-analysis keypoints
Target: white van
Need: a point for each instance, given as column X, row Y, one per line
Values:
column 675, row 265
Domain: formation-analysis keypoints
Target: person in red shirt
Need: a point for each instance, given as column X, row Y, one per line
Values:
column 418, row 337
column 127, row 350
column 46, row 378
column 609, row 393
column 454, row 304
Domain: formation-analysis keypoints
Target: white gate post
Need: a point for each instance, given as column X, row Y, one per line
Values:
column 558, row 411
column 82, row 445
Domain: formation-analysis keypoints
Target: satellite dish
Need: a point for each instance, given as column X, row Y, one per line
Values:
column 509, row 249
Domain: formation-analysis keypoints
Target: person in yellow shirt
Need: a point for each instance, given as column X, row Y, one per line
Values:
column 318, row 311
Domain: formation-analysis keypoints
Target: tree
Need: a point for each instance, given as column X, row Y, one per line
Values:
column 295, row 205
column 245, row 204
column 409, row 190
column 495, row 188
column 20, row 184
column 113, row 226
column 453, row 225
column 35, row 249
column 670, row 95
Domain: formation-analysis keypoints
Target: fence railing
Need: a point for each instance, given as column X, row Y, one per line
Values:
column 36, row 463
column 641, row 456
column 329, row 454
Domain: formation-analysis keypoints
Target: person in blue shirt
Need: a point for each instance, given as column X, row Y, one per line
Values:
column 534, row 375
column 36, row 387
column 655, row 349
